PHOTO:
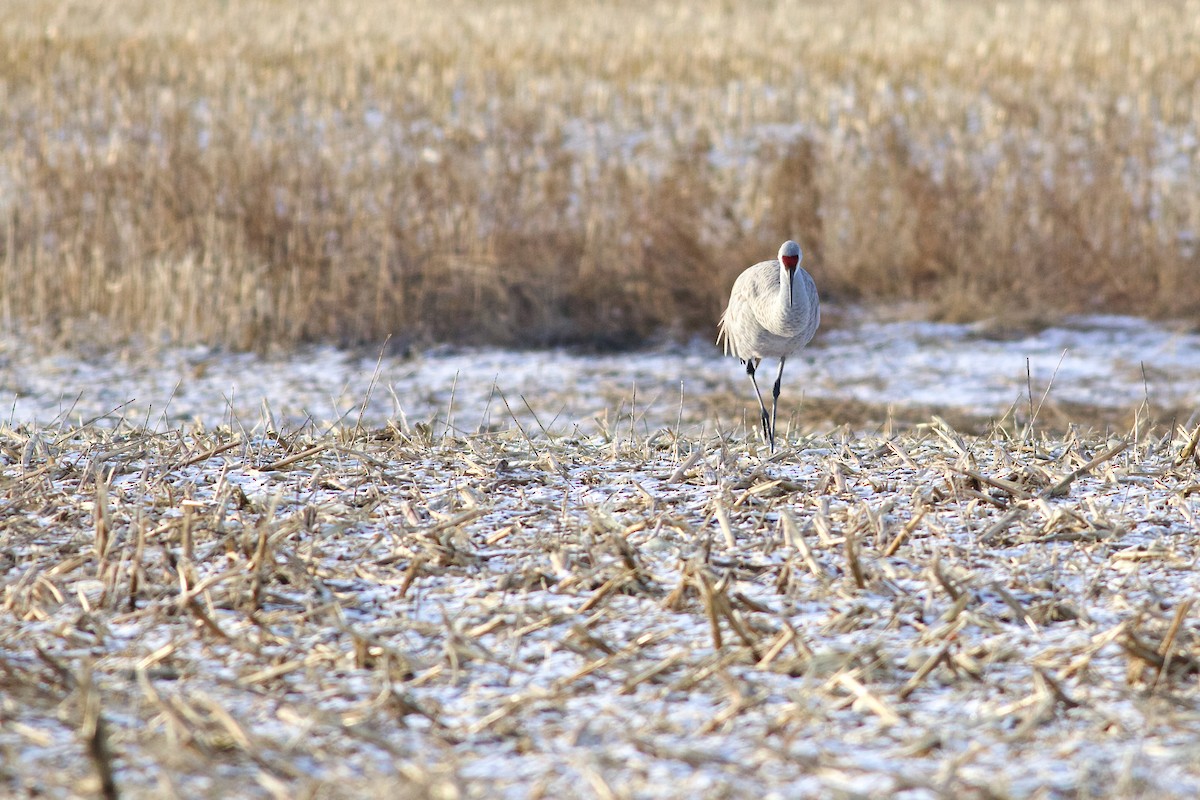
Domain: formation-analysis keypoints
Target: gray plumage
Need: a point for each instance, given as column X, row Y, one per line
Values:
column 773, row 311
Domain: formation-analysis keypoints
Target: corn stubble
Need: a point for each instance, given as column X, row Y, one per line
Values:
column 200, row 611
column 256, row 174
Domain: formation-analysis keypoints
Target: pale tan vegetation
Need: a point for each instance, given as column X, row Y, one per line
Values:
column 253, row 173
column 203, row 613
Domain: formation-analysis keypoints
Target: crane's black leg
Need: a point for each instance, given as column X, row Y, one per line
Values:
column 775, row 402
column 751, row 365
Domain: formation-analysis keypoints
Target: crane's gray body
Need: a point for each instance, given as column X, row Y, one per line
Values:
column 773, row 311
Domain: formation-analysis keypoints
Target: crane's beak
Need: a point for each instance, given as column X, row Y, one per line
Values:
column 791, row 271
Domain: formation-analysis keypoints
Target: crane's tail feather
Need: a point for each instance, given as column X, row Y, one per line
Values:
column 723, row 339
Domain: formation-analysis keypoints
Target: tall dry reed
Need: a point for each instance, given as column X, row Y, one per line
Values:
column 260, row 173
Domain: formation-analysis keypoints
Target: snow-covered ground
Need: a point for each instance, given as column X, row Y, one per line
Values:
column 383, row 613
column 1106, row 362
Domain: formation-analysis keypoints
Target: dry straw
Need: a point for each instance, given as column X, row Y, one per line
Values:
column 262, row 173
column 202, row 612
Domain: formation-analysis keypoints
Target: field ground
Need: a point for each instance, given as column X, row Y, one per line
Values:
column 928, row 614
column 642, row 605
column 475, row 573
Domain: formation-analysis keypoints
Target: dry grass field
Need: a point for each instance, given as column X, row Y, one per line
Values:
column 402, row 581
column 260, row 173
column 392, row 613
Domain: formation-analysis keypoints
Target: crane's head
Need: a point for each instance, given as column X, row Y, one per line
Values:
column 789, row 258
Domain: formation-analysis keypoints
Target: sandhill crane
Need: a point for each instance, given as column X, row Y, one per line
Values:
column 773, row 312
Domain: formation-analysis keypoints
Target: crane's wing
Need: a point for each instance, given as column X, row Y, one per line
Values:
column 740, row 320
